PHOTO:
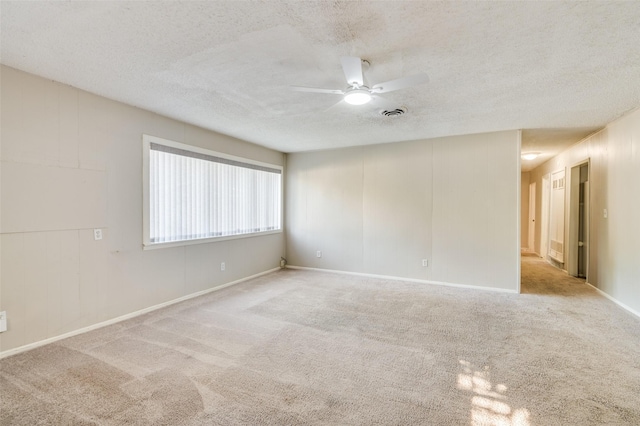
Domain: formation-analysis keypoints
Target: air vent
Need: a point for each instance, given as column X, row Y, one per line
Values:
column 393, row 112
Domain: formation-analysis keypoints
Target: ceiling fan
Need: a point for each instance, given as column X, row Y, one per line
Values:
column 357, row 92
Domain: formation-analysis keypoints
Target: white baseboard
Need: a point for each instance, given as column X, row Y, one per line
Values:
column 414, row 280
column 39, row 343
column 616, row 301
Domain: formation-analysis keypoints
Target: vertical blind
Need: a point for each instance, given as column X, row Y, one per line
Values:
column 194, row 196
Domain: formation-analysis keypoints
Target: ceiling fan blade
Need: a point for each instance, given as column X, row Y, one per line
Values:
column 316, row 90
column 336, row 106
column 352, row 68
column 400, row 83
column 382, row 103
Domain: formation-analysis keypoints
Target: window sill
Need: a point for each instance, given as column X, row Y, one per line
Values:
column 153, row 246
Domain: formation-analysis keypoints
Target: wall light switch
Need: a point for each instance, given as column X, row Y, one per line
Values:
column 318, row 253
column 3, row 321
column 222, row 266
column 97, row 234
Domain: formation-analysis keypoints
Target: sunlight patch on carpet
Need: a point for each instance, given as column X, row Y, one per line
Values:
column 489, row 405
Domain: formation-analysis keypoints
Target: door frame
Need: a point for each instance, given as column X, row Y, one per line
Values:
column 574, row 219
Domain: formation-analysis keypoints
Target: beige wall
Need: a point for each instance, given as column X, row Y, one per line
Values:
column 382, row 209
column 71, row 162
column 524, row 210
column 614, row 255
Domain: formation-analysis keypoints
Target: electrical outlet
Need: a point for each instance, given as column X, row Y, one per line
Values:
column 222, row 266
column 425, row 262
column 3, row 321
column 318, row 253
column 605, row 213
column 97, row 234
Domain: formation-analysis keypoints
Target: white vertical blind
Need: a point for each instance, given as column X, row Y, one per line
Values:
column 194, row 196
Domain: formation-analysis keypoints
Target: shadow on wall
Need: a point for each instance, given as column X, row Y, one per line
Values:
column 488, row 402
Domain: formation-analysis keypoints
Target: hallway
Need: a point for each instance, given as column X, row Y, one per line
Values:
column 540, row 277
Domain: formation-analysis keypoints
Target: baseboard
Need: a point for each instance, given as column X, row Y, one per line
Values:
column 39, row 343
column 616, row 301
column 413, row 280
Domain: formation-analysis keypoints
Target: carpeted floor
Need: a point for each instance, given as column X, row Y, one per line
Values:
column 300, row 347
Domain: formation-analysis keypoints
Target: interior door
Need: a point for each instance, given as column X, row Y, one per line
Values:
column 544, row 220
column 556, row 217
column 532, row 217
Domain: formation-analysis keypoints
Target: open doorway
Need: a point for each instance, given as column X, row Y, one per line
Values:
column 578, row 256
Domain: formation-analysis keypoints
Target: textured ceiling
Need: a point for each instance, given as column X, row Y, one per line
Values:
column 558, row 70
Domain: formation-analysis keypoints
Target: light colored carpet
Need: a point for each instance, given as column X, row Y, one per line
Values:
column 299, row 347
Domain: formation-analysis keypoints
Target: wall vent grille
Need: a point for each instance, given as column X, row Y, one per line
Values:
column 557, row 250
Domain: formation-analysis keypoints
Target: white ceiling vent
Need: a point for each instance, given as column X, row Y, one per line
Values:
column 393, row 112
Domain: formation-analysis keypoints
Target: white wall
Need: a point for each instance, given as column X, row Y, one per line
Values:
column 614, row 254
column 71, row 162
column 381, row 209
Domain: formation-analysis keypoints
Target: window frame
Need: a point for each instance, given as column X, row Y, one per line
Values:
column 147, row 140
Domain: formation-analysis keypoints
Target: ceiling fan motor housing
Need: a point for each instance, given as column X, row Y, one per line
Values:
column 357, row 95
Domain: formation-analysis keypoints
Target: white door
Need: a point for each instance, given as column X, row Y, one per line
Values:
column 556, row 217
column 532, row 217
column 544, row 220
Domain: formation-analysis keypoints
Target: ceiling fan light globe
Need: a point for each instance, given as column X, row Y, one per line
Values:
column 530, row 155
column 357, row 97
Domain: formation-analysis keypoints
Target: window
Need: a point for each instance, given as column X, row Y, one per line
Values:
column 192, row 195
